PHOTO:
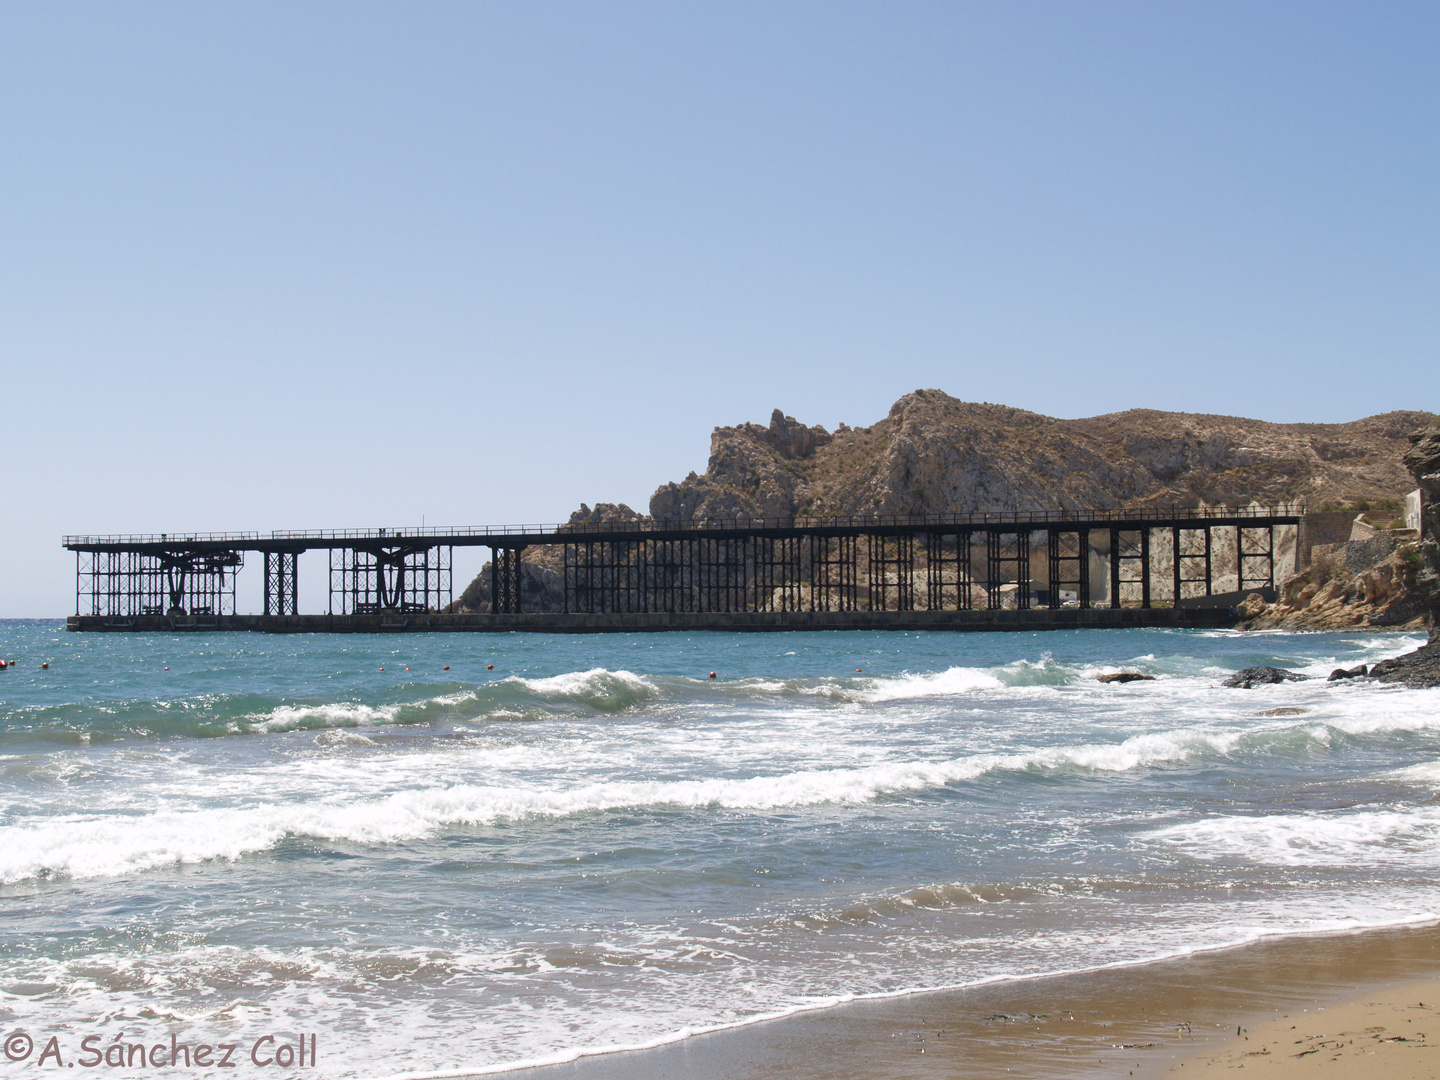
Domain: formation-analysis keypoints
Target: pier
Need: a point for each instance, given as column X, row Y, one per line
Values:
column 1021, row 571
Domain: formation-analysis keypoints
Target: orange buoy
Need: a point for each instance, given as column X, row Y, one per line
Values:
column 167, row 669
column 712, row 674
column 46, row 664
column 489, row 667
column 382, row 669
column 447, row 667
column 857, row 669
column 407, row 669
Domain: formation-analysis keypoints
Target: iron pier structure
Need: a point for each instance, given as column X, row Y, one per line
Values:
column 983, row 571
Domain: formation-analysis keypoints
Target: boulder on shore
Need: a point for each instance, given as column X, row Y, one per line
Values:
column 1124, row 677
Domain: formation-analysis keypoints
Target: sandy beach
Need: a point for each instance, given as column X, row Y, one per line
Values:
column 1353, row 1004
column 1386, row 1031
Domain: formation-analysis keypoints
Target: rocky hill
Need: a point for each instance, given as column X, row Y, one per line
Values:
column 935, row 454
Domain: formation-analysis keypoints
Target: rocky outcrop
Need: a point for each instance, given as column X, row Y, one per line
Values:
column 935, row 454
column 1347, row 588
column 1422, row 667
column 1377, row 579
column 1418, row 669
column 1423, row 461
column 1251, row 677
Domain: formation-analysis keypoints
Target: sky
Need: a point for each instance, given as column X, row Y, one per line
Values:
column 309, row 265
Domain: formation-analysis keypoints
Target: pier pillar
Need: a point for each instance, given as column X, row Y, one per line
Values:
column 1175, row 557
column 1145, row 567
column 505, row 580
column 282, row 583
column 1114, row 568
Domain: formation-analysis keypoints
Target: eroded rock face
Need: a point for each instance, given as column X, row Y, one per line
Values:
column 935, row 454
column 1423, row 461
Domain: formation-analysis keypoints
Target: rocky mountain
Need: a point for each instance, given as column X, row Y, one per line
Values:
column 936, row 454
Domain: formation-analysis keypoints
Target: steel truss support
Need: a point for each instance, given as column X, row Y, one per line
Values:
column 505, row 580
column 1129, row 566
column 948, row 578
column 669, row 574
column 833, row 580
column 378, row 578
column 1193, row 562
column 892, row 572
column 1069, row 557
column 1254, row 557
column 282, row 583
column 722, row 574
column 123, row 584
column 1007, row 560
column 776, row 572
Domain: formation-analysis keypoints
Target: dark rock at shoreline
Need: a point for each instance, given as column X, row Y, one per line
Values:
column 1262, row 676
column 1418, row 669
column 1124, row 677
column 1357, row 672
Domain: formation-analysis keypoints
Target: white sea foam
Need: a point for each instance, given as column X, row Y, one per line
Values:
column 951, row 681
column 84, row 846
column 1357, row 837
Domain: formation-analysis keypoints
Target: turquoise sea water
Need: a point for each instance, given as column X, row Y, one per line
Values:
column 594, row 844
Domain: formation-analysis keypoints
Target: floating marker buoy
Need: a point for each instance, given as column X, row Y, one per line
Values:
column 382, row 669
column 407, row 669
column 167, row 669
column 489, row 667
column 712, row 674
column 3, row 665
column 447, row 667
column 857, row 669
column 45, row 665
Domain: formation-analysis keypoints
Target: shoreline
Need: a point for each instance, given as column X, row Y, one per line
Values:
column 1149, row 1018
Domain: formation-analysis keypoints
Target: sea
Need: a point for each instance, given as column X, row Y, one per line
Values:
column 452, row 853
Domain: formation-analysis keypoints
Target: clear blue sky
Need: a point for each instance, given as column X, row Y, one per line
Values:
column 297, row 265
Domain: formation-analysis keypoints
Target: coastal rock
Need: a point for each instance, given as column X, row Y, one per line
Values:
column 1124, row 677
column 1327, row 595
column 1249, row 677
column 1417, row 669
column 1251, row 606
column 935, row 454
column 1421, row 668
column 1338, row 674
column 1423, row 461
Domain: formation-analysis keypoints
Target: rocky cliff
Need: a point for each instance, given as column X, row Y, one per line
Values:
column 1371, row 582
column 935, row 454
column 1423, row 461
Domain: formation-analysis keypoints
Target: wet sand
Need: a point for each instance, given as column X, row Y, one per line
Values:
column 1172, row 1017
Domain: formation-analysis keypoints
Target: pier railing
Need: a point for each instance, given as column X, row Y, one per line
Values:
column 920, row 522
